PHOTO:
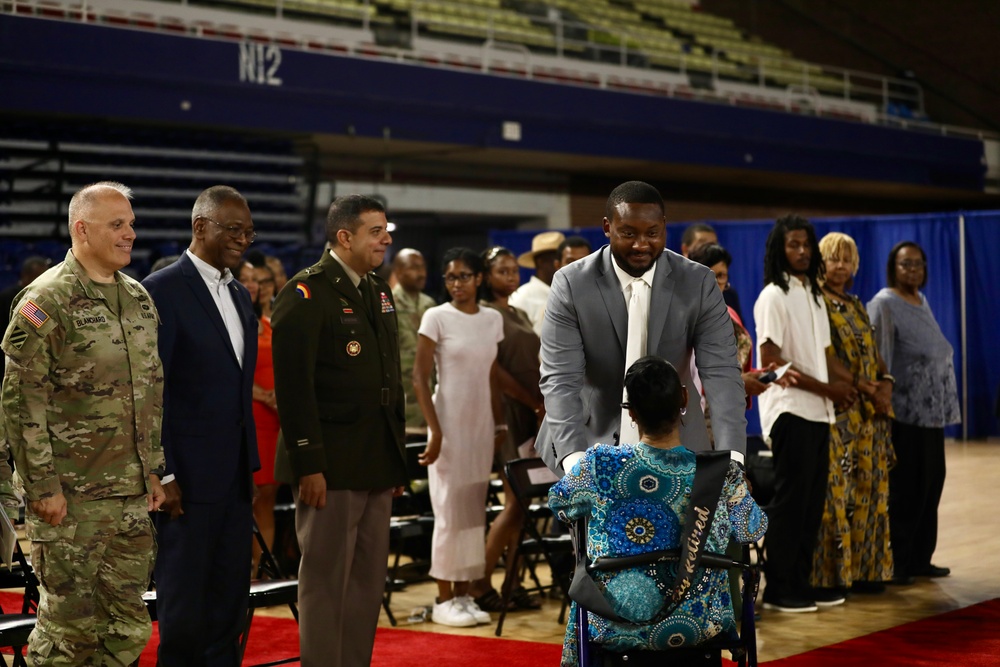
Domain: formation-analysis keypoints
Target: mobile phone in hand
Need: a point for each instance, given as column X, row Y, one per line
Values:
column 771, row 376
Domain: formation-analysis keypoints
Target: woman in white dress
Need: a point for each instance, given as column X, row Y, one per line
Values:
column 464, row 428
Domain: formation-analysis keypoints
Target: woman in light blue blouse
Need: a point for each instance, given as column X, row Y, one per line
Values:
column 920, row 361
column 633, row 497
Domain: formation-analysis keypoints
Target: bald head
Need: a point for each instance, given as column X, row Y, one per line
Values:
column 403, row 257
column 410, row 269
column 82, row 204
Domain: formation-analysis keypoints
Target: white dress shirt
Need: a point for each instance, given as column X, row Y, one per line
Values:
column 797, row 322
column 218, row 286
column 626, row 283
column 531, row 297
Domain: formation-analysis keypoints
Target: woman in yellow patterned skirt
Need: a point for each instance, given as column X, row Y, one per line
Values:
column 852, row 549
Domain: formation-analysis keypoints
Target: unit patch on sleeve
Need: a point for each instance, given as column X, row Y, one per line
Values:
column 17, row 337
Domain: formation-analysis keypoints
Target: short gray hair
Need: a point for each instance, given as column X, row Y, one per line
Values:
column 214, row 197
column 80, row 203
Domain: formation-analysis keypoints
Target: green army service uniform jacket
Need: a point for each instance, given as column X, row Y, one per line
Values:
column 83, row 388
column 337, row 381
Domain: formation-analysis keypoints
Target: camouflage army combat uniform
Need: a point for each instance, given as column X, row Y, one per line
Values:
column 81, row 400
column 408, row 314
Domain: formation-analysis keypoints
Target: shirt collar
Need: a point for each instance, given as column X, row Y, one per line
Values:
column 625, row 279
column 351, row 273
column 211, row 275
column 803, row 281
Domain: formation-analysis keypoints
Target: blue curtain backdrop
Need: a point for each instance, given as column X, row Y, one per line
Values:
column 937, row 234
column 982, row 240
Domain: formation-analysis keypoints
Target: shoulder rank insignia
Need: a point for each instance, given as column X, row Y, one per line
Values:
column 31, row 312
column 303, row 290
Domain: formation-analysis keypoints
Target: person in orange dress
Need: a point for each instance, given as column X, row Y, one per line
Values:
column 265, row 409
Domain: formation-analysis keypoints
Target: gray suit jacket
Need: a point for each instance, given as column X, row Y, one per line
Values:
column 583, row 354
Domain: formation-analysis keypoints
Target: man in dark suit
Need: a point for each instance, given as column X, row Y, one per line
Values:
column 341, row 406
column 208, row 345
column 587, row 331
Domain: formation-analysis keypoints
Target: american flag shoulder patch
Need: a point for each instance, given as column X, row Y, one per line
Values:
column 31, row 312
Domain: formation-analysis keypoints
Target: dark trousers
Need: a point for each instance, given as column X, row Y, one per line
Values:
column 801, row 471
column 915, row 487
column 203, row 582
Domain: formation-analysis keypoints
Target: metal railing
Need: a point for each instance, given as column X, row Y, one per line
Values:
column 792, row 84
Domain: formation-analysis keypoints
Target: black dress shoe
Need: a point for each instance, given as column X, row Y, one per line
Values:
column 902, row 580
column 827, row 597
column 932, row 571
column 868, row 587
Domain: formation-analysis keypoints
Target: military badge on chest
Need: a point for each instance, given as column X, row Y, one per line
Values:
column 353, row 348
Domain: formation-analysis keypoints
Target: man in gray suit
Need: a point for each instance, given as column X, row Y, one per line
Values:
column 586, row 333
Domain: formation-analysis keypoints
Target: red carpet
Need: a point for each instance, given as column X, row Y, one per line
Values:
column 274, row 639
column 968, row 637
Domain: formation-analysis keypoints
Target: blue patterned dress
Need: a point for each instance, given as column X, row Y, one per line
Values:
column 635, row 497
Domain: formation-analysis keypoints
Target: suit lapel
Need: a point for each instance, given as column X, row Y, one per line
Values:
column 659, row 302
column 614, row 300
column 200, row 289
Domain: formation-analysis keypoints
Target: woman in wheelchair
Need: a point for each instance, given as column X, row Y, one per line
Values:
column 633, row 498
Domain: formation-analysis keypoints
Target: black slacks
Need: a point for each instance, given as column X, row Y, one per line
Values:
column 801, row 472
column 915, row 487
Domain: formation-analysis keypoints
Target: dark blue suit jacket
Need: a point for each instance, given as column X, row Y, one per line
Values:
column 208, row 429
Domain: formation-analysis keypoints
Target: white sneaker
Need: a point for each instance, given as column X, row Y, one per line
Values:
column 470, row 606
column 451, row 612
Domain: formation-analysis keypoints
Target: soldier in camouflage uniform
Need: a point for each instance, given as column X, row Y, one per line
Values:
column 81, row 402
column 411, row 303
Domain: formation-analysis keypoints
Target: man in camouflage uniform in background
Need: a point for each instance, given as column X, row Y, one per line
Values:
column 411, row 303
column 81, row 401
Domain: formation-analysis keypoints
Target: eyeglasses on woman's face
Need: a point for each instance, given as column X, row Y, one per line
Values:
column 912, row 264
column 452, row 278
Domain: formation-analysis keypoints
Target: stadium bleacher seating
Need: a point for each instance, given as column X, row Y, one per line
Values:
column 42, row 163
column 652, row 42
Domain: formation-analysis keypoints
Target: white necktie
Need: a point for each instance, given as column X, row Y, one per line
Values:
column 635, row 348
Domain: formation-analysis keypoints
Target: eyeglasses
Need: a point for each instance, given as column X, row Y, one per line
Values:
column 451, row 278
column 911, row 264
column 236, row 232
